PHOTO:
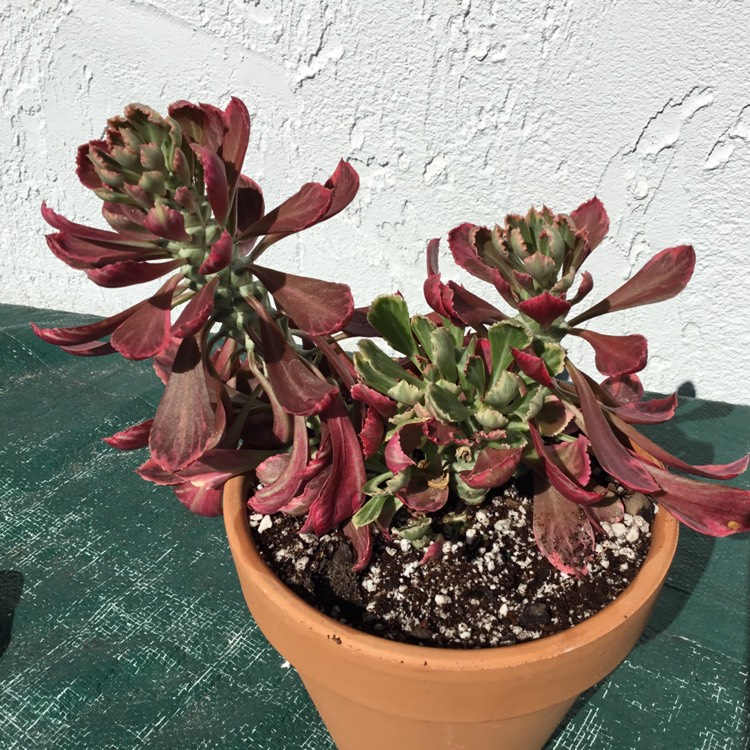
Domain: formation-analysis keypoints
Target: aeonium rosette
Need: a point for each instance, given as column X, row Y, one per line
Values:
column 250, row 370
column 533, row 262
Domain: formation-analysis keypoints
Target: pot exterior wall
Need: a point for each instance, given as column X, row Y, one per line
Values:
column 405, row 697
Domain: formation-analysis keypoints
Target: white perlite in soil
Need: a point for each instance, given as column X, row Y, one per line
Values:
column 491, row 586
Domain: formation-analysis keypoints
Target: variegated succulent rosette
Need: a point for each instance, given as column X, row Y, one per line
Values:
column 257, row 382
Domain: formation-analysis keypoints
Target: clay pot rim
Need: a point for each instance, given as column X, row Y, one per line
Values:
column 647, row 581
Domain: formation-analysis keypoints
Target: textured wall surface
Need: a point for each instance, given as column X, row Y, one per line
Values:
column 451, row 110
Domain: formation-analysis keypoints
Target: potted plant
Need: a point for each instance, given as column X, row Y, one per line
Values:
column 475, row 516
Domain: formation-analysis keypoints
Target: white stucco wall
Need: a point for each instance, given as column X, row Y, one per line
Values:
column 451, row 111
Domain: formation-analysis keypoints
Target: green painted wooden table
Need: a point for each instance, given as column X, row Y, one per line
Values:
column 122, row 624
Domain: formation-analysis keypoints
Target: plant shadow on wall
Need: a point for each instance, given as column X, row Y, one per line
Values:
column 11, row 588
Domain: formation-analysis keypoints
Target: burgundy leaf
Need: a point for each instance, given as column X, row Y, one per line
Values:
column 85, row 169
column 272, row 468
column 613, row 456
column 471, row 309
column 592, row 218
column 80, row 230
column 663, row 277
column 338, row 359
column 196, row 312
column 710, row 471
column 152, row 472
column 306, row 207
column 361, row 539
column 84, row 334
column 146, row 332
column 358, row 324
column 273, row 497
column 616, row 355
column 250, row 205
column 202, row 123
column 584, row 287
column 383, row 405
column 297, row 388
column 624, row 389
column 131, row 438
column 166, row 222
column 126, row 220
column 572, row 456
column 216, row 466
column 203, row 501
column 544, row 308
column 440, row 298
column 236, row 137
column 434, row 551
column 609, row 512
column 654, row 411
column 215, row 179
column 561, row 529
column 708, row 508
column 80, row 253
column 396, row 456
column 425, row 494
column 163, row 361
column 494, row 467
column 463, row 249
column 130, row 272
column 533, row 366
column 317, row 307
column 344, row 183
column 561, row 480
column 90, row 349
column 442, row 434
column 181, row 433
column 371, row 434
column 220, row 255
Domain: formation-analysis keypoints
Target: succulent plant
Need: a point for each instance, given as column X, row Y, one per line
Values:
column 248, row 365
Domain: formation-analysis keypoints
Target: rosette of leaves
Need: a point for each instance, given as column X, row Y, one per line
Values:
column 250, row 369
column 454, row 418
column 533, row 263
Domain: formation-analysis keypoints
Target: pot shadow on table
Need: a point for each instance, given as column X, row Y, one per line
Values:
column 694, row 550
column 11, row 588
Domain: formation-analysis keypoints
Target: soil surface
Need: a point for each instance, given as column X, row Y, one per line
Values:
column 491, row 585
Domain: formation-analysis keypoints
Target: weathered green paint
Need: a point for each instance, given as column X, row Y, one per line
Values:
column 130, row 630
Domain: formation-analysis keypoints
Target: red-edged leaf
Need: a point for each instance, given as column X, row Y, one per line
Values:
column 616, row 355
column 572, row 457
column 203, row 501
column 383, row 405
column 544, row 308
column 273, row 497
column 344, row 183
column 90, row 349
column 196, row 312
column 441, row 433
column 463, row 249
column 84, row 334
column 341, row 495
column 317, row 307
column 340, row 362
column 152, row 472
column 561, row 529
column 533, row 366
column 215, row 179
column 561, row 480
column 79, row 253
column 584, row 287
column 250, row 205
column 471, row 309
column 361, row 539
column 184, row 423
column 84, row 167
column 663, row 277
column 610, row 512
column 612, row 454
column 131, row 438
column 553, row 417
column 236, row 137
column 422, row 496
column 440, row 298
column 371, row 434
column 130, row 272
column 710, row 471
column 146, row 332
column 592, row 218
column 220, row 255
column 166, row 222
column 202, row 123
column 80, row 230
column 306, row 207
column 127, row 221
column 399, row 448
column 297, row 388
column 648, row 412
column 624, row 389
column 218, row 465
column 494, row 467
column 434, row 551
column 708, row 508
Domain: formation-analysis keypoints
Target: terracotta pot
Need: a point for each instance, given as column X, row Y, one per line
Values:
column 373, row 693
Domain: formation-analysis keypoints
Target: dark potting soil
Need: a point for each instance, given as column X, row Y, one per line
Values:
column 491, row 585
